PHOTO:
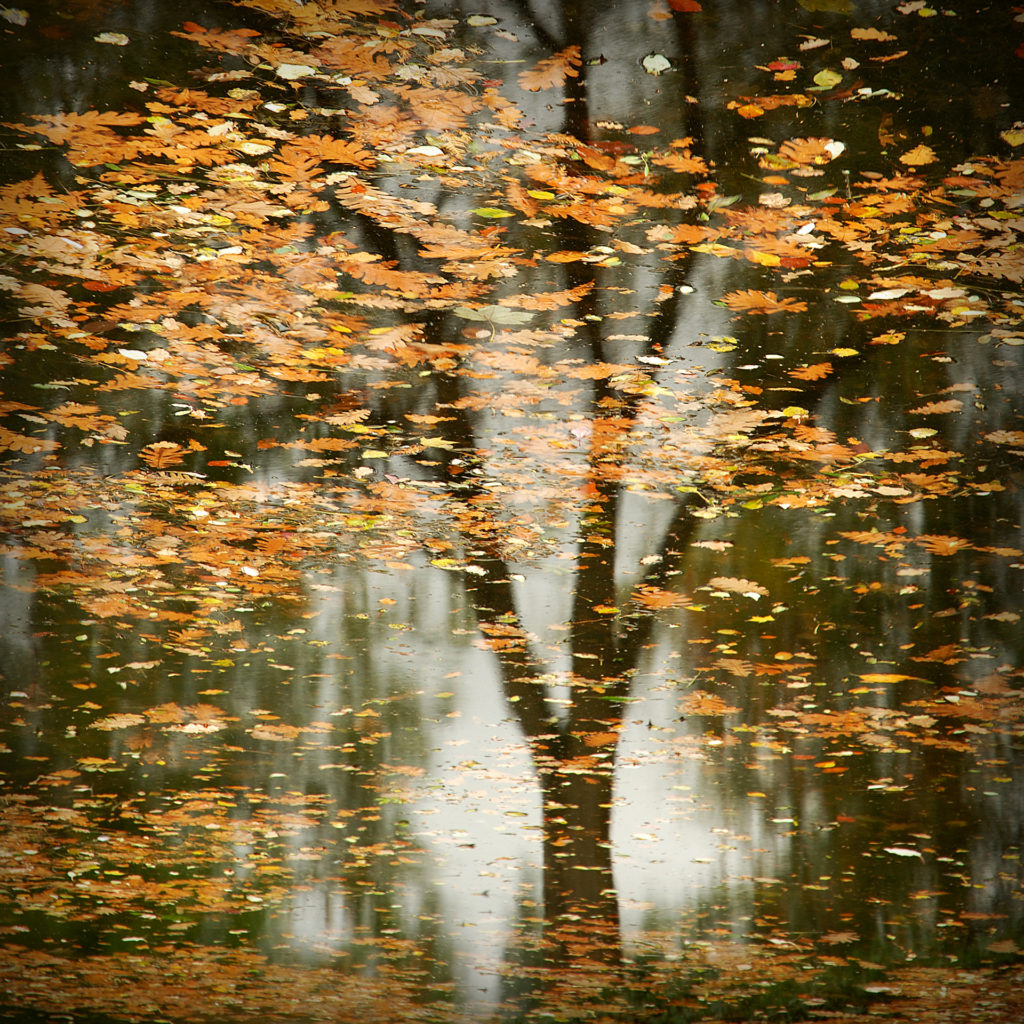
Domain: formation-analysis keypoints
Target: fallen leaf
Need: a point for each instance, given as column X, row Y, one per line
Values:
column 919, row 156
column 739, row 586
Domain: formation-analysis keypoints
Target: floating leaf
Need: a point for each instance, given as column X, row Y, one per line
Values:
column 918, row 156
column 656, row 63
column 827, row 79
column 162, row 454
column 904, row 851
column 291, row 72
column 552, row 70
column 873, row 34
column 938, row 408
column 750, row 301
column 494, row 314
column 748, row 588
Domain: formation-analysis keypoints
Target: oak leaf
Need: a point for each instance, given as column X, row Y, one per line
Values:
column 162, row 454
column 938, row 544
column 876, row 34
column 1014, row 437
column 750, row 301
column 810, row 151
column 933, row 408
column 813, row 372
column 739, row 586
column 552, row 71
column 701, row 703
column 919, row 155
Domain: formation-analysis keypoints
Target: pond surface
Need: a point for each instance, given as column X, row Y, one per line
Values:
column 512, row 512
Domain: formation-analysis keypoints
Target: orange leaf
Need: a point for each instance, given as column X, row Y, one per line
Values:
column 813, row 372
column 20, row 443
column 552, row 71
column 750, row 301
column 738, row 586
column 950, row 405
column 599, row 739
column 702, row 703
column 162, row 454
column 655, row 597
column 919, row 155
column 939, row 544
column 809, row 151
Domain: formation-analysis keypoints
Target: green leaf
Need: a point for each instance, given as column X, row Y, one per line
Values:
column 492, row 212
column 827, row 79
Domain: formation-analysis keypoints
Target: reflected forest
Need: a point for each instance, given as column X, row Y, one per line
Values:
column 512, row 511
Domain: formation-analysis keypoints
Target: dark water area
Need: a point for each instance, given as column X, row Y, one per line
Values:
column 548, row 549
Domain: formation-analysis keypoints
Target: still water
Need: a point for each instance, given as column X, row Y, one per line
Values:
column 610, row 610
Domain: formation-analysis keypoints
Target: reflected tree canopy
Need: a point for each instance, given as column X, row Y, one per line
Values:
column 511, row 511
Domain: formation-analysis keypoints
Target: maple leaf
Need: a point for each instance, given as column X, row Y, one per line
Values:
column 750, row 301
column 552, row 71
